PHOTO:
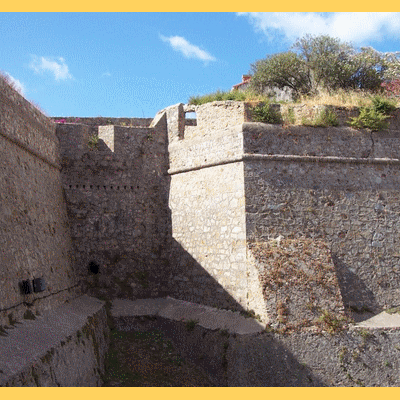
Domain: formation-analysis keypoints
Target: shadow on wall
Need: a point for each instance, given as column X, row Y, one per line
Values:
column 188, row 280
column 181, row 276
column 117, row 192
column 102, row 146
column 356, row 296
column 267, row 362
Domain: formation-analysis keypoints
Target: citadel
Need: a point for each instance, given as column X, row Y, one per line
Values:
column 297, row 226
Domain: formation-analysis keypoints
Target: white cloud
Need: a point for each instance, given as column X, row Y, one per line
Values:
column 15, row 83
column 106, row 74
column 356, row 27
column 180, row 44
column 55, row 66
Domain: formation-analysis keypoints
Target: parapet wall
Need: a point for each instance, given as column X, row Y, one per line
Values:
column 34, row 230
column 26, row 126
column 340, row 142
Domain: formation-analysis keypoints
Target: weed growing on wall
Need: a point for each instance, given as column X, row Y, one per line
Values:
column 393, row 310
column 374, row 117
column 369, row 119
column 11, row 319
column 365, row 334
column 331, row 323
column 324, row 119
column 265, row 112
column 93, row 142
column 3, row 332
column 250, row 314
column 191, row 324
column 29, row 315
column 383, row 105
column 282, row 311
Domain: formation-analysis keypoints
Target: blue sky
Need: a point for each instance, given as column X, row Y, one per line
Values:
column 135, row 64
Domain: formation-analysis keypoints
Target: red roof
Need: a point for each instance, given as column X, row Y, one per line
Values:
column 245, row 79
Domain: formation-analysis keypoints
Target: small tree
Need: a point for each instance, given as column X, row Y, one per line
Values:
column 328, row 60
column 281, row 70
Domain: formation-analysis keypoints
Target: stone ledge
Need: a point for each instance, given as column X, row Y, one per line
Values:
column 52, row 350
column 289, row 158
column 180, row 310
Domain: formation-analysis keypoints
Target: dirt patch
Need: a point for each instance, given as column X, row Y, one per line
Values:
column 138, row 358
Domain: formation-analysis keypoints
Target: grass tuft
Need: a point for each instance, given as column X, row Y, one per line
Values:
column 324, row 119
column 265, row 112
column 190, row 325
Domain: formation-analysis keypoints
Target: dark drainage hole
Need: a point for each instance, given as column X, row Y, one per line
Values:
column 93, row 267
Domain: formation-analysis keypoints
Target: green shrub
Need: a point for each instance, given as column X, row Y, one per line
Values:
column 224, row 332
column 365, row 334
column 375, row 116
column 264, row 112
column 12, row 320
column 393, row 310
column 142, row 277
column 371, row 119
column 383, row 105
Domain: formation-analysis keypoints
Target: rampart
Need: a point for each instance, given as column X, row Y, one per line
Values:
column 287, row 222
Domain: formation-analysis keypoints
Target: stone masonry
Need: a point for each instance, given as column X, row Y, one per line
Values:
column 205, row 210
column 34, row 232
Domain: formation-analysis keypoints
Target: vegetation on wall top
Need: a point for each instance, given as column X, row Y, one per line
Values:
column 323, row 70
column 316, row 63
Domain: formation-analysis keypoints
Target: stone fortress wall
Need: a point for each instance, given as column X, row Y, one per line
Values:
column 125, row 211
column 34, row 229
column 142, row 208
column 333, row 185
column 337, row 185
column 116, row 193
column 222, row 196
